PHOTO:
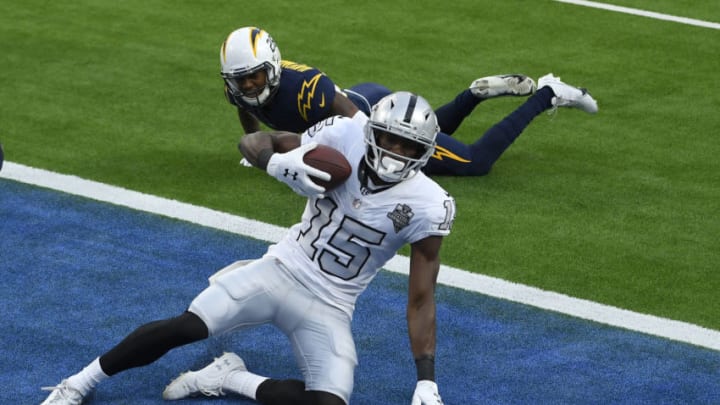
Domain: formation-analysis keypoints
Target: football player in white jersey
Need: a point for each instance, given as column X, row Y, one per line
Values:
column 307, row 284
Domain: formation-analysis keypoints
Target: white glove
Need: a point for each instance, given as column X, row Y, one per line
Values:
column 244, row 162
column 426, row 393
column 290, row 169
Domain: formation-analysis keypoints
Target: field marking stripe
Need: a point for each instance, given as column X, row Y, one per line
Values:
column 494, row 287
column 643, row 13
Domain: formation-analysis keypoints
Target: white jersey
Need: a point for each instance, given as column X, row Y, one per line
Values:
column 345, row 238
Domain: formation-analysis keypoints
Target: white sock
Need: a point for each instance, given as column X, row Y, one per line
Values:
column 88, row 378
column 243, row 383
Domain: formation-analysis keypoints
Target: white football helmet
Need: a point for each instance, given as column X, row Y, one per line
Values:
column 245, row 51
column 408, row 116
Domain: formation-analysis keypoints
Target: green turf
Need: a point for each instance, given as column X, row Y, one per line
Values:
column 620, row 208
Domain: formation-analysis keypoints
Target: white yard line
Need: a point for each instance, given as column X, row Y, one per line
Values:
column 643, row 13
column 593, row 311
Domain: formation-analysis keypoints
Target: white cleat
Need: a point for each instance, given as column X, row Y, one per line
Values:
column 208, row 381
column 567, row 95
column 62, row 394
column 502, row 85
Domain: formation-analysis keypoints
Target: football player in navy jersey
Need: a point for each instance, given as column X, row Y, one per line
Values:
column 308, row 283
column 290, row 96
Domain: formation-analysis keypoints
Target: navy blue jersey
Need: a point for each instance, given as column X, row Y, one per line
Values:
column 303, row 98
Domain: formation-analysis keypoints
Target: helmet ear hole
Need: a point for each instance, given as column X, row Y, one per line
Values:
column 248, row 50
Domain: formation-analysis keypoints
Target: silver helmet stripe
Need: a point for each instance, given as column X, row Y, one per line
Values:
column 411, row 108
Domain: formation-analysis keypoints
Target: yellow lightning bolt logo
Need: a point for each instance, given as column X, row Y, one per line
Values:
column 254, row 37
column 441, row 153
column 306, row 95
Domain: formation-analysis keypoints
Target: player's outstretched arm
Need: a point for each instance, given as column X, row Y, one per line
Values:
column 424, row 268
column 265, row 143
column 280, row 154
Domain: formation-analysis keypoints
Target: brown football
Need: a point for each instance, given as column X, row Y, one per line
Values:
column 329, row 160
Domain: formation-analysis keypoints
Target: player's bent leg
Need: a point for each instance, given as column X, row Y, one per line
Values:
column 495, row 141
column 452, row 114
column 453, row 158
column 292, row 392
column 279, row 392
column 214, row 310
column 151, row 341
column 322, row 342
column 143, row 346
column 246, row 296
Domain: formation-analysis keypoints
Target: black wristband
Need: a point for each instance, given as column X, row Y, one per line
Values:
column 263, row 158
column 425, row 367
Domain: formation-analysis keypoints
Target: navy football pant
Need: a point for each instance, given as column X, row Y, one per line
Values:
column 452, row 157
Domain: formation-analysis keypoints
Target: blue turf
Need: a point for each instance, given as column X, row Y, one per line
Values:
column 78, row 275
